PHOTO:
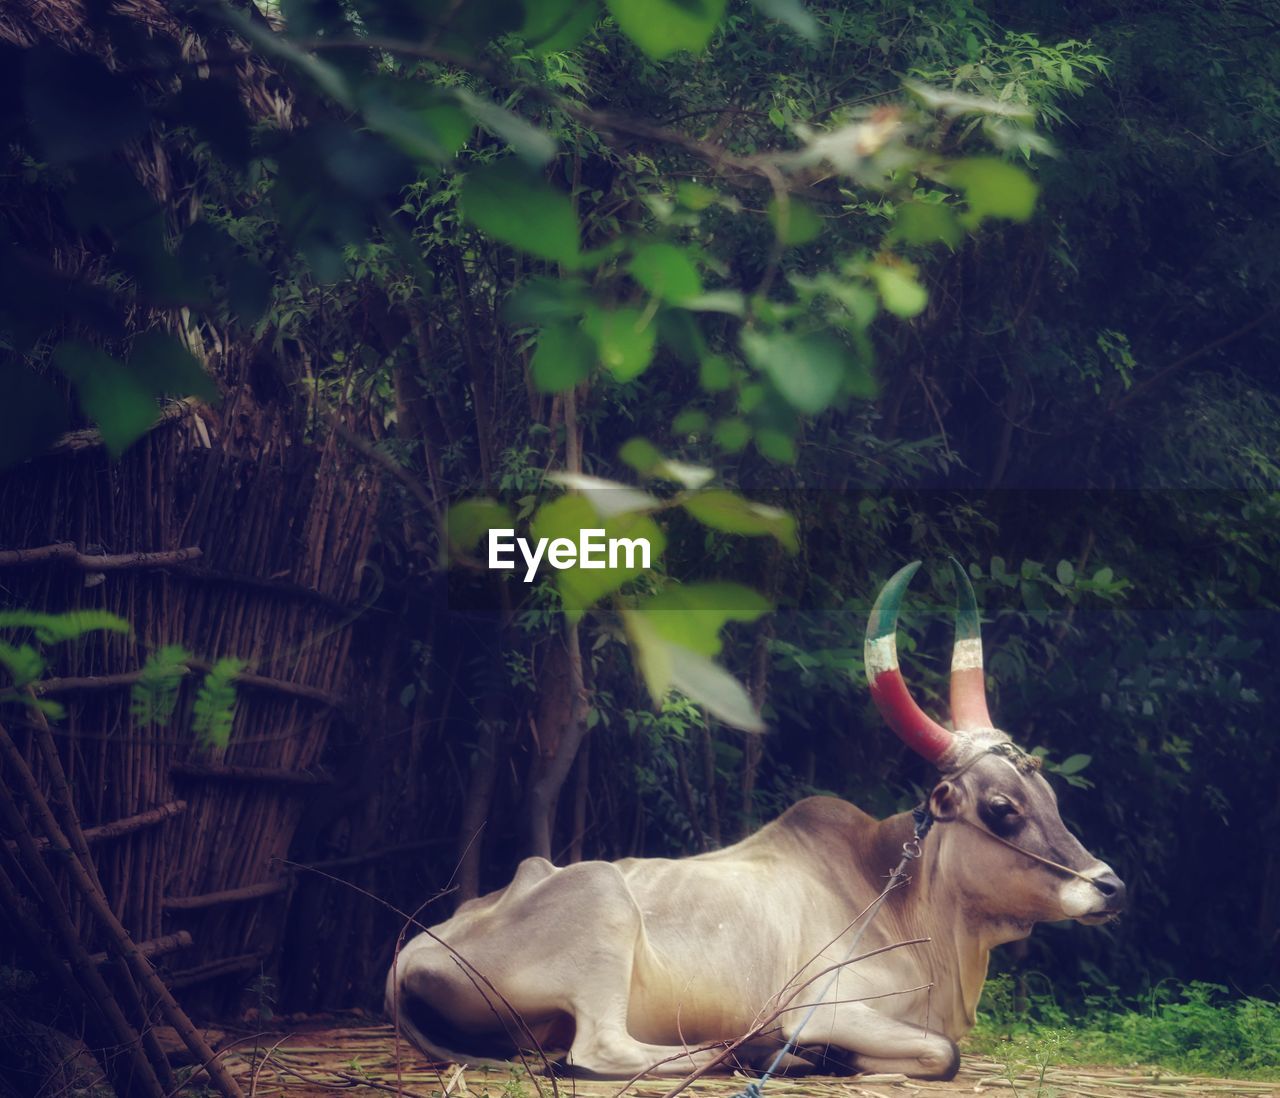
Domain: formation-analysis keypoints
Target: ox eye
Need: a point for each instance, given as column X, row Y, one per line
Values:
column 1002, row 814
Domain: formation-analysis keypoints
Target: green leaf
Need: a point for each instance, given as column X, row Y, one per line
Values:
column 581, row 588
column 901, row 293
column 661, row 27
column 694, row 196
column 514, row 205
column 154, row 696
column 608, row 498
column 777, row 446
column 1066, row 573
column 692, row 615
column 624, row 340
column 691, row 421
column 954, row 103
column 794, row 14
column 111, row 395
column 647, row 460
column 532, row 145
column 539, row 300
column 731, row 435
column 665, row 665
column 715, row 374
column 724, row 510
column 328, row 78
column 214, row 710
column 67, row 626
column 167, row 368
column 682, row 473
column 422, row 121
column 55, row 711
column 808, row 370
column 793, row 221
column 666, row 271
column 641, row 454
column 553, row 26
column 23, row 662
column 471, row 519
column 730, row 302
column 926, row 223
column 653, row 653
column 993, row 188
column 713, row 688
column 1103, row 577
column 1073, row 764
column 563, row 358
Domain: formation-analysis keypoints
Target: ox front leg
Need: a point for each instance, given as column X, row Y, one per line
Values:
column 881, row 1044
column 605, row 1049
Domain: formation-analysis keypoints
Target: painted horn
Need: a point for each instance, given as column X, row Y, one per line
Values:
column 968, row 682
column 918, row 731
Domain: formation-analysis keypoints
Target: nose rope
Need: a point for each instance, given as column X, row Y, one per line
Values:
column 1029, row 853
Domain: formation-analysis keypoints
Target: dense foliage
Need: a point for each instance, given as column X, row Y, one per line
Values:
column 826, row 288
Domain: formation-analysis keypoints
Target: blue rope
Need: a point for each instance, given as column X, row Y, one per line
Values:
column 910, row 852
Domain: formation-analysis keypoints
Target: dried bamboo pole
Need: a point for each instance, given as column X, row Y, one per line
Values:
column 226, row 966
column 90, row 438
column 73, row 684
column 226, row 896
column 97, row 903
column 154, row 947
column 37, row 937
column 137, row 822
column 146, row 1078
column 62, row 797
column 270, row 586
column 118, row 828
column 247, row 774
column 67, row 553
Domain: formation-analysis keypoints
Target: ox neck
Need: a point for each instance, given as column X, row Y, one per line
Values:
column 936, row 906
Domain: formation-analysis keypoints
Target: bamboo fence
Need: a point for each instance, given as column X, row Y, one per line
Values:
column 188, row 839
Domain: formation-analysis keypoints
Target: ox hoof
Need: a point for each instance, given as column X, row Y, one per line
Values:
column 942, row 1068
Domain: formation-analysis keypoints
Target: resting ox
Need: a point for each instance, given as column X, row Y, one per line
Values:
column 654, row 964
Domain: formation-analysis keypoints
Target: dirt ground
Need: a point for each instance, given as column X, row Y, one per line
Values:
column 307, row 1058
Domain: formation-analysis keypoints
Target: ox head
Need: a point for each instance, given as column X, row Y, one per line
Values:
column 1019, row 862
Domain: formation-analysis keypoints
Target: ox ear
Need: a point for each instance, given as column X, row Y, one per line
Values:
column 944, row 801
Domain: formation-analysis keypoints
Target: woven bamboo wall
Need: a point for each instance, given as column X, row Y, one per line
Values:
column 187, row 838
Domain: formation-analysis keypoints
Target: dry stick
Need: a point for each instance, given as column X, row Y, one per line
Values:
column 248, row 774
column 257, row 1068
column 81, row 963
column 129, row 824
column 67, row 553
column 13, row 905
column 154, row 947
column 90, row 438
column 126, row 825
column 97, row 903
column 244, row 962
column 225, row 896
column 244, row 678
column 57, row 778
column 350, row 1080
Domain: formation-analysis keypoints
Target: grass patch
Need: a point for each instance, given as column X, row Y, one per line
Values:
column 1198, row 1029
